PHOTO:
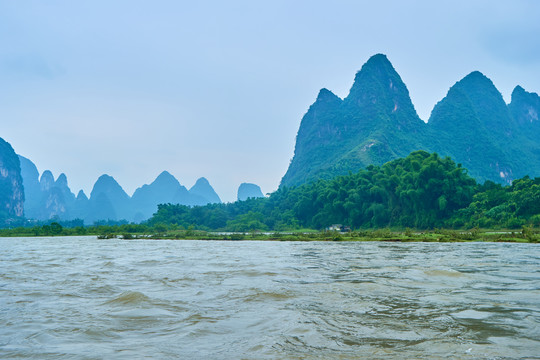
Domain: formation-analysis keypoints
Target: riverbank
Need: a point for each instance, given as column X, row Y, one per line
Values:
column 439, row 235
column 525, row 235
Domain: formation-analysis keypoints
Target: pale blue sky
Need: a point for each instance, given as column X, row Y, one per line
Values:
column 218, row 89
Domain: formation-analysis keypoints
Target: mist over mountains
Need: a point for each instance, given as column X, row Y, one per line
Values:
column 374, row 124
column 47, row 198
column 377, row 123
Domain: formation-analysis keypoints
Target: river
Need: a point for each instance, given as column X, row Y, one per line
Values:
column 83, row 298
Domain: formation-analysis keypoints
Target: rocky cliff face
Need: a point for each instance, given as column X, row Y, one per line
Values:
column 11, row 183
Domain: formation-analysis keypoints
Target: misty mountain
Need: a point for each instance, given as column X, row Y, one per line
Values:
column 100, row 207
column 248, row 190
column 107, row 191
column 203, row 189
column 32, row 190
column 161, row 191
column 45, row 197
column 81, row 207
column 377, row 123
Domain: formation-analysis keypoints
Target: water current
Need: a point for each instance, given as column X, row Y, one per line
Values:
column 83, row 298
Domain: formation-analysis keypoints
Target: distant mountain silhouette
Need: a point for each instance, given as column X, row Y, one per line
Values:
column 32, row 190
column 106, row 190
column 248, row 190
column 203, row 189
column 161, row 191
column 49, row 199
column 45, row 198
column 375, row 123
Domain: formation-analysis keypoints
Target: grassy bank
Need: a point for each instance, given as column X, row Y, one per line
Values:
column 408, row 235
column 526, row 234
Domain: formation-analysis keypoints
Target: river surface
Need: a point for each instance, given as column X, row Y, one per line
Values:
column 83, row 298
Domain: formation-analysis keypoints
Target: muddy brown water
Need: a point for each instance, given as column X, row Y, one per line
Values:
column 83, row 298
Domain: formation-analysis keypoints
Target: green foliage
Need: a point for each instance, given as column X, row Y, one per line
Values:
column 422, row 191
column 495, row 206
column 377, row 123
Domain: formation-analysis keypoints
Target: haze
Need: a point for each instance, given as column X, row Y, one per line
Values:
column 218, row 89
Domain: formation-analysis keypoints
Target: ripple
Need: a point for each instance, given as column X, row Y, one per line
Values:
column 82, row 298
column 472, row 314
column 129, row 298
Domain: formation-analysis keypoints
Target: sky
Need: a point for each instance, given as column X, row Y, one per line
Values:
column 217, row 89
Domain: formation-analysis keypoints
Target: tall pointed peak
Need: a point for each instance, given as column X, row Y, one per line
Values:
column 480, row 88
column 62, row 180
column 377, row 79
column 326, row 95
column 46, row 182
column 521, row 93
column 203, row 189
column 47, row 176
column 379, row 91
column 525, row 109
column 106, row 178
column 518, row 91
column 164, row 173
column 106, row 183
column 378, row 60
column 377, row 65
column 82, row 196
column 165, row 177
column 482, row 93
column 476, row 78
column 202, row 181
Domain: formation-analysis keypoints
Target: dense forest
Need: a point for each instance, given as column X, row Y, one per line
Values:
column 421, row 191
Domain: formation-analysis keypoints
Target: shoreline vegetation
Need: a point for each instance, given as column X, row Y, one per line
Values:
column 422, row 197
column 524, row 235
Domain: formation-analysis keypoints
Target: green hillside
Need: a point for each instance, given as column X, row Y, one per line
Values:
column 377, row 123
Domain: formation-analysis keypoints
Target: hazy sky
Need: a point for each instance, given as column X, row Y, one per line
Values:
column 218, row 88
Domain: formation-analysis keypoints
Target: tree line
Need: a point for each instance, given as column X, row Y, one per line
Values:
column 421, row 191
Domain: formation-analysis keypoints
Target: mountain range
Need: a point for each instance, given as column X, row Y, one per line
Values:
column 377, row 122
column 47, row 198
